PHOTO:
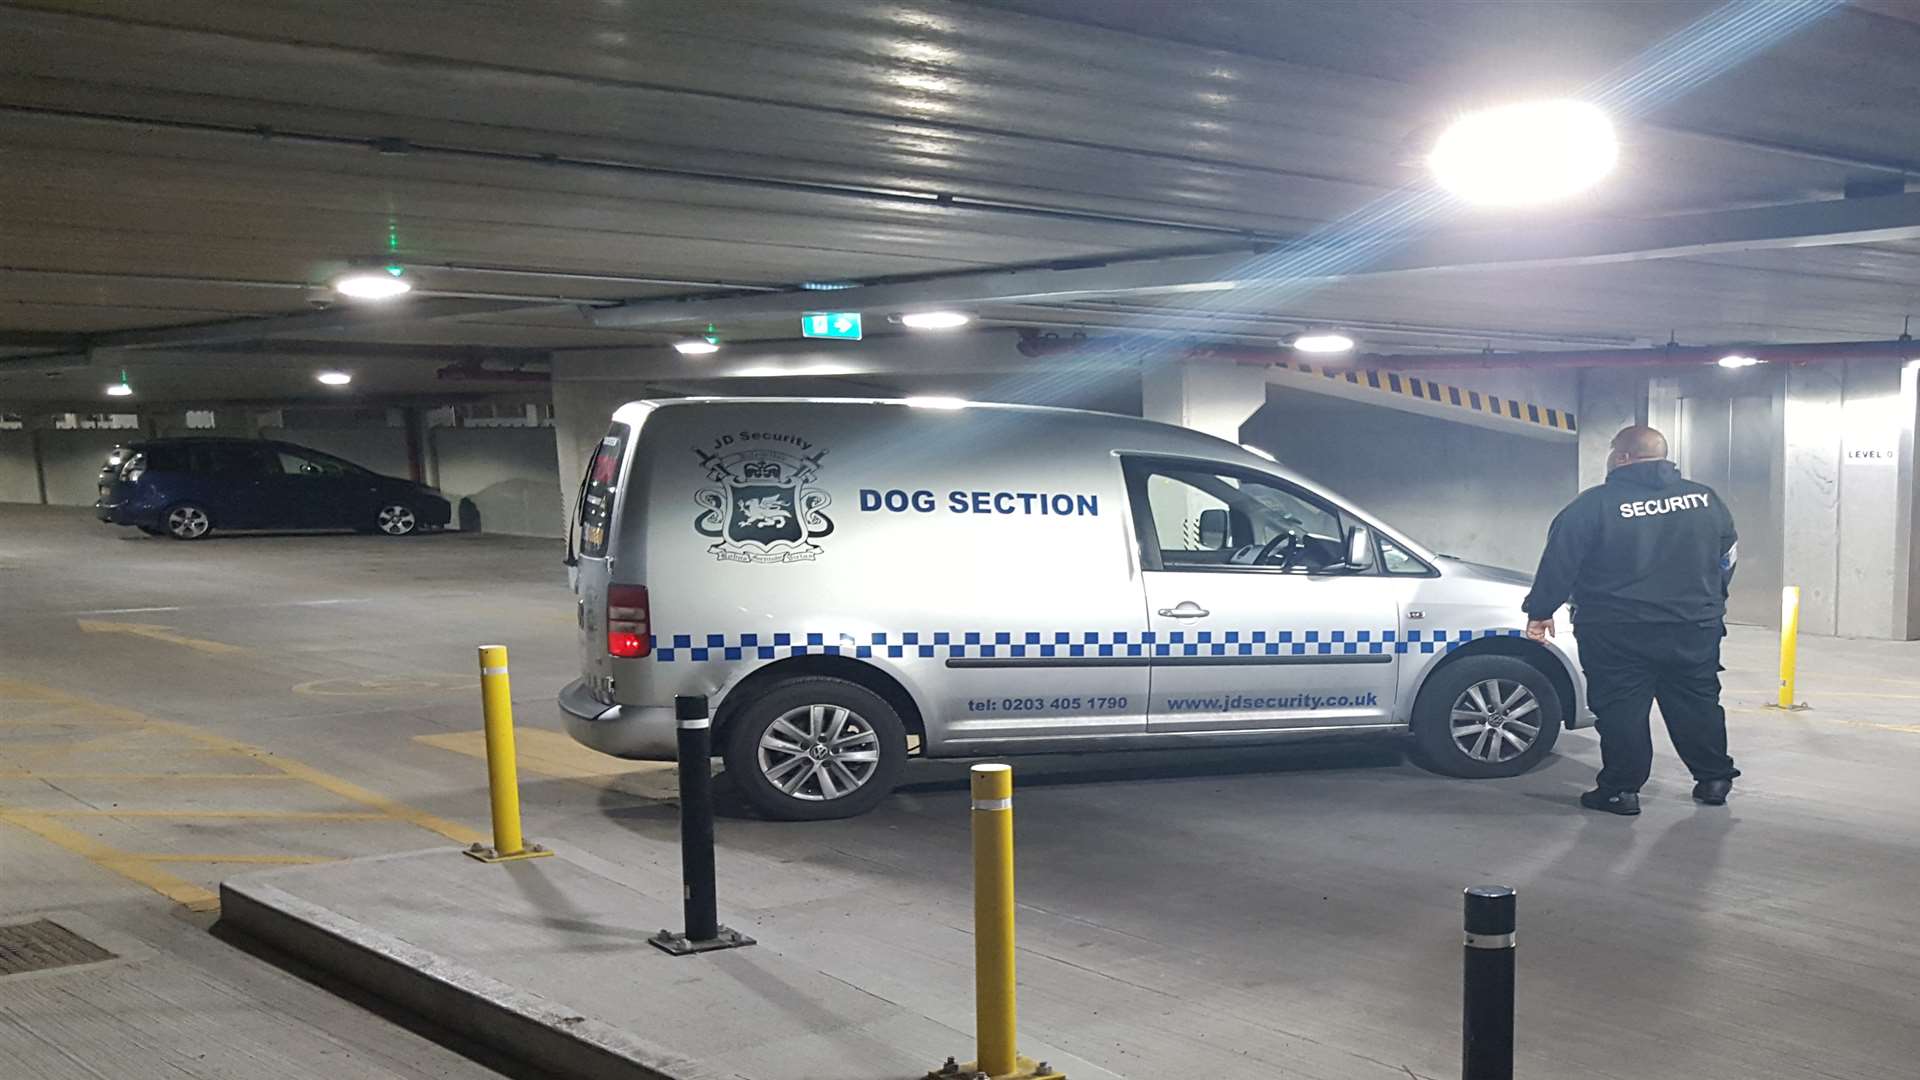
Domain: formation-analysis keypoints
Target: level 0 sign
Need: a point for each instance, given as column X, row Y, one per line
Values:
column 842, row 325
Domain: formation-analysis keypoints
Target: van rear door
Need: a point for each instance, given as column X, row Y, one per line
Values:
column 592, row 554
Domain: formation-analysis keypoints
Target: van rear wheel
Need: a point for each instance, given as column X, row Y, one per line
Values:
column 816, row 748
column 1486, row 716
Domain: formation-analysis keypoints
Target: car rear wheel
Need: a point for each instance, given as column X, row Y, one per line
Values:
column 397, row 519
column 1486, row 716
column 816, row 748
column 187, row 521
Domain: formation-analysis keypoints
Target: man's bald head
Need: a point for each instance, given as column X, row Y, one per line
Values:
column 1636, row 444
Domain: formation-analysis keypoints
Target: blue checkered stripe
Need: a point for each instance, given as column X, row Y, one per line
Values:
column 949, row 644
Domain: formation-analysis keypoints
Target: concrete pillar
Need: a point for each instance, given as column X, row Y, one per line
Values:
column 1214, row 398
column 1610, row 399
column 1906, row 579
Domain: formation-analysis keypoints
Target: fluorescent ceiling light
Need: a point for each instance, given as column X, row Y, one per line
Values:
column 936, row 402
column 696, row 347
column 1323, row 341
column 382, row 284
column 1737, row 360
column 935, row 320
column 1519, row 155
column 119, row 389
column 334, row 378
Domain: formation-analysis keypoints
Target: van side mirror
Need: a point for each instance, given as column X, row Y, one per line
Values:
column 1213, row 529
column 1360, row 549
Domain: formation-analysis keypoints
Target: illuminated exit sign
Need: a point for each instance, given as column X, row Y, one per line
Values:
column 841, row 325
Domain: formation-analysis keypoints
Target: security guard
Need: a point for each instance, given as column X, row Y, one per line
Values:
column 1647, row 558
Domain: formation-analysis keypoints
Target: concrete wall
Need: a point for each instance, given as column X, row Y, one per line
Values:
column 1464, row 490
column 19, row 473
column 382, row 449
column 71, row 462
column 501, row 480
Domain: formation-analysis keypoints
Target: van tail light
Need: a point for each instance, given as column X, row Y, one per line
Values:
column 629, row 623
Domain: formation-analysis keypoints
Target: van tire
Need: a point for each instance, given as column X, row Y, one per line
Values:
column 1473, row 752
column 749, row 726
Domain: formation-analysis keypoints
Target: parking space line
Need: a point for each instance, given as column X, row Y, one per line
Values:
column 132, row 868
column 181, row 739
column 550, row 753
column 1753, row 710
column 265, row 815
column 39, row 774
column 269, row 860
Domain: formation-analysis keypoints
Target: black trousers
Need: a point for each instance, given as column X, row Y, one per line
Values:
column 1628, row 667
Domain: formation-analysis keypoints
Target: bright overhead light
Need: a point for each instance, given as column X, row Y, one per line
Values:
column 334, row 378
column 935, row 320
column 1323, row 341
column 1738, row 360
column 119, row 389
column 696, row 347
column 384, row 283
column 1519, row 155
column 936, row 402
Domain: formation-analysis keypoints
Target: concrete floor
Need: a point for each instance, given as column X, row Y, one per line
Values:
column 1250, row 914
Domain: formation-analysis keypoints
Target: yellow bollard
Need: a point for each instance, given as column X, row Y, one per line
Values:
column 993, row 939
column 503, row 783
column 1789, row 644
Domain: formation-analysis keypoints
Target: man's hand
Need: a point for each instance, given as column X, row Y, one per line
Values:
column 1539, row 629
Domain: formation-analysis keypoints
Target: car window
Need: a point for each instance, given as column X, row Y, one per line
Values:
column 597, row 491
column 1394, row 560
column 233, row 460
column 1203, row 519
column 296, row 464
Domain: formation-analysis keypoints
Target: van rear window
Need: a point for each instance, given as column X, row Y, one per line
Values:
column 596, row 493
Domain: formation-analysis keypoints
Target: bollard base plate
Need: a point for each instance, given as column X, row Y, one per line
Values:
column 1024, row 1068
column 1800, row 707
column 681, row 945
column 488, row 855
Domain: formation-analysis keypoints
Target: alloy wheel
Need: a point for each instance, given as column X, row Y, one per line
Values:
column 397, row 520
column 819, row 753
column 188, row 522
column 1495, row 720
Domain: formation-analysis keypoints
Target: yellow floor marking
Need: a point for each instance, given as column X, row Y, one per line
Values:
column 159, row 633
column 265, row 815
column 59, row 747
column 1804, row 690
column 1910, row 729
column 130, row 867
column 141, row 868
column 39, row 774
column 550, row 753
column 270, row 860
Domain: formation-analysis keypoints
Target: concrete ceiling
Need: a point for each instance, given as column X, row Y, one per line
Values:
column 207, row 163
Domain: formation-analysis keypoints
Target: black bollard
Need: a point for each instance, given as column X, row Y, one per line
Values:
column 695, row 746
column 1486, row 1008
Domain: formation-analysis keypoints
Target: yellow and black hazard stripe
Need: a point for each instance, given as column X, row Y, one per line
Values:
column 1393, row 382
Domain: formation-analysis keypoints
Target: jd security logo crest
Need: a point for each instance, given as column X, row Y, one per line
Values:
column 766, row 508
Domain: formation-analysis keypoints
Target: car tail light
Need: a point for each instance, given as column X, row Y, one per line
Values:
column 629, row 623
column 135, row 466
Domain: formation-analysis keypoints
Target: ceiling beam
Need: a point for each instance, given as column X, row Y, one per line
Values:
column 342, row 317
column 1581, row 243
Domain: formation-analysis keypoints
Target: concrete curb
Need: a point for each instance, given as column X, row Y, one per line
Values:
column 523, row 1026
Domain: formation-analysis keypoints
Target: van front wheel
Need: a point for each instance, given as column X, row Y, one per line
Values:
column 1485, row 716
column 816, row 748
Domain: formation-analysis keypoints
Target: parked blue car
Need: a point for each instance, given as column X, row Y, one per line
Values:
column 187, row 488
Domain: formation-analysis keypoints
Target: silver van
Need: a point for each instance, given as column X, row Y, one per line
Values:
column 847, row 578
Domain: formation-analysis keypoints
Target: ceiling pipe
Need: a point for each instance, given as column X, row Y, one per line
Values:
column 1903, row 348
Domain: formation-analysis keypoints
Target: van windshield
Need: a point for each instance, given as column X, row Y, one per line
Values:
column 597, row 490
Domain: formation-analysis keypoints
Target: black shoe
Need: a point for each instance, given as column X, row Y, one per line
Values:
column 1712, row 792
column 1624, row 803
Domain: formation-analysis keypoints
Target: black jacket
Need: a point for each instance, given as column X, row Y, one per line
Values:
column 1645, row 547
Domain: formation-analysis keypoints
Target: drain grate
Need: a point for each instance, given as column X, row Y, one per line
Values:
column 41, row 945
